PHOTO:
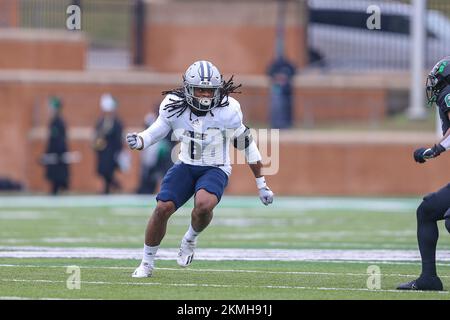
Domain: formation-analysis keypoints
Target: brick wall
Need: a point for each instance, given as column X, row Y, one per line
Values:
column 308, row 164
column 237, row 36
column 306, row 168
column 34, row 49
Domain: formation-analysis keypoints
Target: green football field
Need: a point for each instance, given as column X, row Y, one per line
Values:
column 86, row 247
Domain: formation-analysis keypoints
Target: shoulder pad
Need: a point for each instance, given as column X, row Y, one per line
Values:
column 235, row 114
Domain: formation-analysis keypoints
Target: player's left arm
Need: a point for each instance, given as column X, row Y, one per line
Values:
column 423, row 154
column 243, row 141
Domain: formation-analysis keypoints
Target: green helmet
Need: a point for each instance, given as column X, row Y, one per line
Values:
column 438, row 79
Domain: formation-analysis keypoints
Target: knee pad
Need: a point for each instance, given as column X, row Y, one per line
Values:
column 447, row 220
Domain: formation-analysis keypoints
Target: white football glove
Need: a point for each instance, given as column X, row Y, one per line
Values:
column 265, row 194
column 134, row 142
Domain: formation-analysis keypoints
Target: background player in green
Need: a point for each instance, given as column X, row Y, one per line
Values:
column 435, row 206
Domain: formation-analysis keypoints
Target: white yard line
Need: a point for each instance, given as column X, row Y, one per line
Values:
column 219, row 254
column 213, row 270
column 209, row 285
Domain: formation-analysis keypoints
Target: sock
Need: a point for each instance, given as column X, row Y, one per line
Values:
column 428, row 234
column 191, row 234
column 149, row 254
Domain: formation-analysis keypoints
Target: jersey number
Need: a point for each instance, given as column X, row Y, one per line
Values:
column 194, row 147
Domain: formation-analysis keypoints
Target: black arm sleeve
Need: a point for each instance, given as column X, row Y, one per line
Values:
column 243, row 141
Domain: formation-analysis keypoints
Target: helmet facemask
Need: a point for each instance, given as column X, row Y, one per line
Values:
column 430, row 89
column 201, row 103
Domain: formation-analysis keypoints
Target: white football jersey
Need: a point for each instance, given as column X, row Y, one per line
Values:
column 205, row 141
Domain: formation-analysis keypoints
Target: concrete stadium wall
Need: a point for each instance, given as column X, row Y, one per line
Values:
column 309, row 164
column 237, row 36
column 49, row 50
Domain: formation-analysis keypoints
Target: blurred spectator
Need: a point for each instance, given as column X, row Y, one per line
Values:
column 54, row 159
column 281, row 72
column 155, row 161
column 7, row 184
column 108, row 142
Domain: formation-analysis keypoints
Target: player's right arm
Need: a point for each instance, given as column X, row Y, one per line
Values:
column 156, row 132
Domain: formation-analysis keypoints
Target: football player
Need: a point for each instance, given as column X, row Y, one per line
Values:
column 205, row 119
column 435, row 206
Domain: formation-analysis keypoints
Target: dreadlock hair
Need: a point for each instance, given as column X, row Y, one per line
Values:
column 177, row 107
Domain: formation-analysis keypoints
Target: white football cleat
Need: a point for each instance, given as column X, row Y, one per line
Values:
column 186, row 254
column 143, row 271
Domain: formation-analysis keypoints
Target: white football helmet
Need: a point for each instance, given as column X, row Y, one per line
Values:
column 202, row 74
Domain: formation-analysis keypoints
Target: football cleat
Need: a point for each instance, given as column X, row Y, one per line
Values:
column 423, row 283
column 143, row 271
column 186, row 253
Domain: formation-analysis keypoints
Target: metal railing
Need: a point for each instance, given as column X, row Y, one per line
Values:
column 339, row 33
column 108, row 25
